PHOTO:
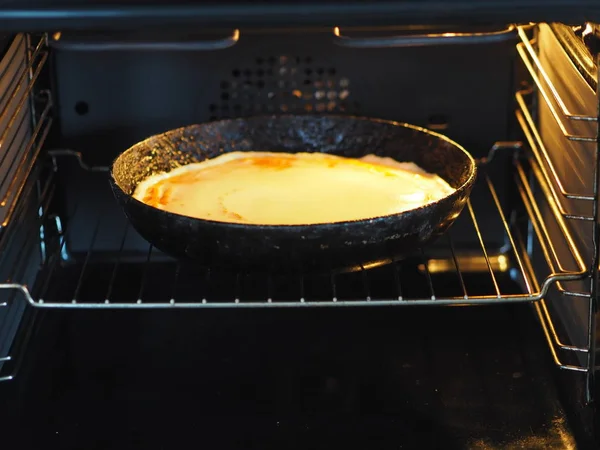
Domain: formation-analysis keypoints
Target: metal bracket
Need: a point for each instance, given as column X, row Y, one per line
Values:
column 425, row 40
column 61, row 43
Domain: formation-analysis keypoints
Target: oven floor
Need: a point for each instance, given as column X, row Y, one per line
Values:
column 451, row 378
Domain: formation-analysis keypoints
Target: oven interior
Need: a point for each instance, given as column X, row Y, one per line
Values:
column 484, row 340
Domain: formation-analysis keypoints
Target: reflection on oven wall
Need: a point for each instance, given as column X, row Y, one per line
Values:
column 574, row 163
column 110, row 100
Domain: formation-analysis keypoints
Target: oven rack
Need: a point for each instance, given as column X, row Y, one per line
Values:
column 543, row 85
column 33, row 205
column 24, row 118
column 156, row 281
column 543, row 170
column 25, row 121
column 548, row 91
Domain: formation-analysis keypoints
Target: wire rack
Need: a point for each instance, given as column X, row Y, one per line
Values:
column 121, row 279
column 562, row 201
column 24, row 119
column 24, row 124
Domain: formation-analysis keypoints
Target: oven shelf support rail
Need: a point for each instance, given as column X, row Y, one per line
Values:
column 426, row 40
column 26, row 117
column 17, row 290
column 543, row 159
column 543, row 170
column 19, row 168
column 59, row 41
column 534, row 67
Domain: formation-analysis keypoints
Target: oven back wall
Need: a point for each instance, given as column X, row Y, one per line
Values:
column 108, row 100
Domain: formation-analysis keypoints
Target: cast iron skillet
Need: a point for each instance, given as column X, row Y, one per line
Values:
column 331, row 246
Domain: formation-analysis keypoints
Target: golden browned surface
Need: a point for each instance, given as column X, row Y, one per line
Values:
column 287, row 189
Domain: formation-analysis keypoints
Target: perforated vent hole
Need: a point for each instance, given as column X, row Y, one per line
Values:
column 82, row 108
column 282, row 83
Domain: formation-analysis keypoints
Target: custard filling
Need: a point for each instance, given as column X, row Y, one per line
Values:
column 272, row 188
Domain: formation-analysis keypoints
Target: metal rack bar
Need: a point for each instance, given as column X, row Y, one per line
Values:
column 537, row 146
column 425, row 40
column 428, row 273
column 554, row 342
column 87, row 258
column 237, row 295
column 551, row 107
column 23, row 79
column 527, row 52
column 25, row 336
column 19, row 268
column 573, row 294
column 207, row 281
column 20, row 264
column 26, row 164
column 397, row 271
column 60, row 43
column 30, row 75
column 20, row 167
column 54, row 259
column 10, row 61
column 550, row 179
column 176, row 280
column 483, row 249
column 554, row 334
column 550, row 332
column 29, row 190
column 548, row 326
column 269, row 287
column 302, row 295
column 145, row 274
column 541, row 155
column 113, row 276
column 333, row 287
column 365, row 280
column 22, row 125
column 518, row 257
column 457, row 267
column 541, row 230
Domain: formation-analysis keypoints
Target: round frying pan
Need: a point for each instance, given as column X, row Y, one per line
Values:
column 331, row 246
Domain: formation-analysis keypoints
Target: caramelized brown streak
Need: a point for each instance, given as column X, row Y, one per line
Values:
column 166, row 195
column 150, row 197
column 278, row 162
column 184, row 178
column 230, row 214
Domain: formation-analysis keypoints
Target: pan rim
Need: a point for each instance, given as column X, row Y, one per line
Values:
column 357, row 222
